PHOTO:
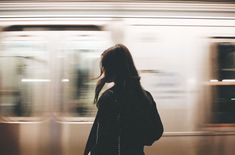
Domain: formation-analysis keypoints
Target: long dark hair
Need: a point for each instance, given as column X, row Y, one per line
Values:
column 117, row 66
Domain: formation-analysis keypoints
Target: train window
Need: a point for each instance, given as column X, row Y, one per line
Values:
column 77, row 84
column 24, row 75
column 79, row 65
column 223, row 82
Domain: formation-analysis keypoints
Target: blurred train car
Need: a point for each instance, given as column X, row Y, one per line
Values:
column 50, row 52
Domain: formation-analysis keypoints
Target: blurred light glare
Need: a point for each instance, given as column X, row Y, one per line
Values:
column 65, row 80
column 228, row 80
column 214, row 80
column 35, row 80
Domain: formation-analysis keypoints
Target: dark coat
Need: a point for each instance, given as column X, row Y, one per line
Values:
column 110, row 132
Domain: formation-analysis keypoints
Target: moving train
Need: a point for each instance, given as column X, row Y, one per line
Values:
column 49, row 57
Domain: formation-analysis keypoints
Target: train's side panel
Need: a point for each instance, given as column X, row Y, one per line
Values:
column 183, row 50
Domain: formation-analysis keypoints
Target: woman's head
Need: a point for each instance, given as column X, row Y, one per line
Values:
column 117, row 66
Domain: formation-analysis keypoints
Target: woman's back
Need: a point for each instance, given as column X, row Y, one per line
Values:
column 118, row 123
column 119, row 127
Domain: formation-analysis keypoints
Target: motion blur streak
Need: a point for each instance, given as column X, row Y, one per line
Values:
column 49, row 58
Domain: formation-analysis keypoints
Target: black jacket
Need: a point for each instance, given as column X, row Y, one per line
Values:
column 112, row 134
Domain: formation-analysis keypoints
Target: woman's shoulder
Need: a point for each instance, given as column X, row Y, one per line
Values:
column 105, row 97
column 107, row 94
column 148, row 93
column 151, row 99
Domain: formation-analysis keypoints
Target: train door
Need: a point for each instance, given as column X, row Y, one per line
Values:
column 78, row 64
column 46, row 89
column 25, row 86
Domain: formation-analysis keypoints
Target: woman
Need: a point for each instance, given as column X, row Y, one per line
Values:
column 119, row 120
